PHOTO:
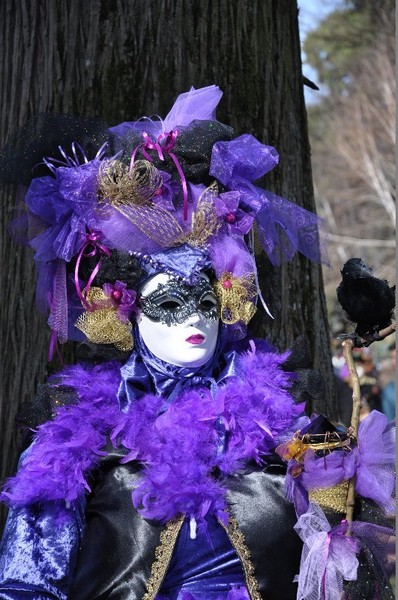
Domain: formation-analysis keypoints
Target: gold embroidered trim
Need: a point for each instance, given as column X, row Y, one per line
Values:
column 163, row 555
column 238, row 540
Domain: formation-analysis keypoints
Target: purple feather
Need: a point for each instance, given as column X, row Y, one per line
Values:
column 67, row 449
column 180, row 448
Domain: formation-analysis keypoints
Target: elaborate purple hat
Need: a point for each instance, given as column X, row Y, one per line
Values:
column 178, row 195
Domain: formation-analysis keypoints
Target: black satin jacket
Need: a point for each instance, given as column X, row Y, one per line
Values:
column 125, row 557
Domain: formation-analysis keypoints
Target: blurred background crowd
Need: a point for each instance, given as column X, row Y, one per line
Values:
column 376, row 369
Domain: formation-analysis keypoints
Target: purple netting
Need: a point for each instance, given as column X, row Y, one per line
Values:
column 229, row 254
column 58, row 320
column 375, row 477
column 66, row 206
column 244, row 157
column 329, row 556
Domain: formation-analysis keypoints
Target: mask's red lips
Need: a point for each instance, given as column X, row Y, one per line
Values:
column 196, row 339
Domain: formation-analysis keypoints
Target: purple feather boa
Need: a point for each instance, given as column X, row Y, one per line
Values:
column 180, row 447
column 178, row 444
column 66, row 449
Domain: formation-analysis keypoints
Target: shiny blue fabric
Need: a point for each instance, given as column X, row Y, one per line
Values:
column 144, row 373
column 39, row 551
column 206, row 567
column 185, row 261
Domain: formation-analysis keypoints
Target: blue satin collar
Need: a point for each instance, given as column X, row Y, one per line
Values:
column 144, row 373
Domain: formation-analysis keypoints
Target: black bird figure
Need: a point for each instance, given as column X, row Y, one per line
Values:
column 368, row 301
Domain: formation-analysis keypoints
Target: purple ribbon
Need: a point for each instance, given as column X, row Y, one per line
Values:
column 93, row 239
column 164, row 144
column 54, row 346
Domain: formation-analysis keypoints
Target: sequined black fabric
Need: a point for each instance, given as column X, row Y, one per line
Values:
column 193, row 149
column 118, row 266
column 21, row 158
column 49, row 397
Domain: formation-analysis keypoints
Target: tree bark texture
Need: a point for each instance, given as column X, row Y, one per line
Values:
column 121, row 60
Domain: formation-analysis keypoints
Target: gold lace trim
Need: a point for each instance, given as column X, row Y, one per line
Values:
column 131, row 193
column 163, row 555
column 238, row 540
column 155, row 222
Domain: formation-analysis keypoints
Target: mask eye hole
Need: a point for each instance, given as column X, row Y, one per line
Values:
column 208, row 301
column 170, row 304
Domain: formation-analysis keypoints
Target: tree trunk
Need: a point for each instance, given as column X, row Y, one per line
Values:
column 121, row 60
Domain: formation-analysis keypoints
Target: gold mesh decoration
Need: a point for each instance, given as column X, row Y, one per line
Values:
column 101, row 324
column 155, row 222
column 334, row 498
column 204, row 220
column 131, row 193
column 233, row 295
column 121, row 187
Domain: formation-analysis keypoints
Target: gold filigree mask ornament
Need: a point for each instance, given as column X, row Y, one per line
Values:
column 233, row 295
column 106, row 320
column 178, row 195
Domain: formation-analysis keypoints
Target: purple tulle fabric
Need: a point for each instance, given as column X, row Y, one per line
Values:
column 229, row 254
column 198, row 104
column 180, row 447
column 284, row 228
column 66, row 207
column 330, row 556
column 244, row 157
column 371, row 461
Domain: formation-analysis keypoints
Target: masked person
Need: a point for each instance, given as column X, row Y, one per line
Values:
column 155, row 474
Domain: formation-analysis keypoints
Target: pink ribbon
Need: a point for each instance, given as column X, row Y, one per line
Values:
column 93, row 239
column 164, row 144
column 326, row 554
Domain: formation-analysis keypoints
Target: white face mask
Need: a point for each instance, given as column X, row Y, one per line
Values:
column 179, row 324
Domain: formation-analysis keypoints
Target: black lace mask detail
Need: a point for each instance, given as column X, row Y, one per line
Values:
column 174, row 302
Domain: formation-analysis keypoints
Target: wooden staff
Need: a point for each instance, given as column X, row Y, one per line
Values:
column 348, row 346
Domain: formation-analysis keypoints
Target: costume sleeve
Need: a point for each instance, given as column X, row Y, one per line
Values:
column 39, row 550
